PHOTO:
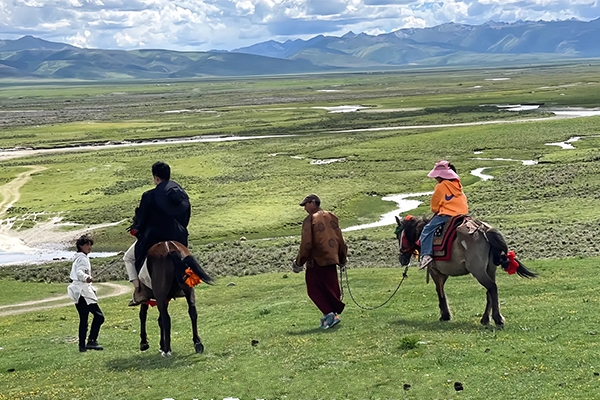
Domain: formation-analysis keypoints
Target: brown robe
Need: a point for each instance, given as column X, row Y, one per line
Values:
column 322, row 243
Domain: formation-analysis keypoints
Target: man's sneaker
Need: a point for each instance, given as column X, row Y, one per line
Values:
column 336, row 320
column 93, row 345
column 425, row 261
column 331, row 319
column 323, row 320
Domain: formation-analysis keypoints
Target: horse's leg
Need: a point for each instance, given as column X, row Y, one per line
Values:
column 485, row 318
column 495, row 302
column 191, row 300
column 143, row 336
column 487, row 278
column 440, row 281
column 161, row 343
column 165, row 326
column 491, row 272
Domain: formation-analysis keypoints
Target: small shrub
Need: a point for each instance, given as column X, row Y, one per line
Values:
column 409, row 343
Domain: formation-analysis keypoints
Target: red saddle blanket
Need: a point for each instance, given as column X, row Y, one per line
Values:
column 444, row 236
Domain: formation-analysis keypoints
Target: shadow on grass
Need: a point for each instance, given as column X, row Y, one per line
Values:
column 152, row 361
column 437, row 325
column 312, row 331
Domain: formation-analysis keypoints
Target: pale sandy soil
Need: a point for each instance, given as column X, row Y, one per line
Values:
column 59, row 301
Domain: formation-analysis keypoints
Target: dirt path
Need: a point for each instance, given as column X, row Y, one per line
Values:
column 477, row 123
column 9, row 193
column 43, row 233
column 38, row 305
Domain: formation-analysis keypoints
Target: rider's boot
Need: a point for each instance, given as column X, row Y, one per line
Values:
column 138, row 297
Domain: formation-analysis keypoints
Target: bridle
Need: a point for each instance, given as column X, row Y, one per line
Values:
column 408, row 248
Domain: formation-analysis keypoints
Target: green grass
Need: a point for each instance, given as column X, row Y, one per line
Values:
column 240, row 189
column 14, row 291
column 251, row 189
column 547, row 350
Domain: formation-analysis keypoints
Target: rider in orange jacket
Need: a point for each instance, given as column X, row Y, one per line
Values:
column 448, row 201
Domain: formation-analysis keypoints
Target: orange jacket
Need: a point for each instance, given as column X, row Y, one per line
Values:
column 449, row 199
column 322, row 242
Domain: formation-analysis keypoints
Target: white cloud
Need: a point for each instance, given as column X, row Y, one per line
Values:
column 80, row 39
column 209, row 24
column 245, row 7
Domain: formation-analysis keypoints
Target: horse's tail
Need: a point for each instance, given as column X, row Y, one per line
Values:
column 507, row 259
column 191, row 262
column 182, row 263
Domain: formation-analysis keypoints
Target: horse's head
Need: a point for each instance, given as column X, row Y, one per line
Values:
column 407, row 232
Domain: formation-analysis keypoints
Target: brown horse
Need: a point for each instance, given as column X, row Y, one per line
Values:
column 477, row 253
column 167, row 263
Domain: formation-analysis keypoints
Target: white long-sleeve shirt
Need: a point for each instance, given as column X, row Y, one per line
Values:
column 80, row 272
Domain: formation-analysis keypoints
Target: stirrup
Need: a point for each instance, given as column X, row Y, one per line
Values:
column 136, row 302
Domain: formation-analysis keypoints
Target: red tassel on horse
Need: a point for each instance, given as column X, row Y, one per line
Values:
column 513, row 264
column 192, row 279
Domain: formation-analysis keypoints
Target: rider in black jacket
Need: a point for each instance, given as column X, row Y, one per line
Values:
column 163, row 214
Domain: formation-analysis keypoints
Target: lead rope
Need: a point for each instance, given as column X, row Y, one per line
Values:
column 343, row 270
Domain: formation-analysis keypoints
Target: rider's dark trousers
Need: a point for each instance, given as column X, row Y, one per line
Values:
column 84, row 310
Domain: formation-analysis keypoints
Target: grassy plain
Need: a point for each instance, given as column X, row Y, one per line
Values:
column 251, row 189
column 548, row 349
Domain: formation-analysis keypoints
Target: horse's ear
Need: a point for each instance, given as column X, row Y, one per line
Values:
column 398, row 220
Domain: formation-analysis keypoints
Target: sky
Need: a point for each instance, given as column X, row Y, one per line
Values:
column 201, row 25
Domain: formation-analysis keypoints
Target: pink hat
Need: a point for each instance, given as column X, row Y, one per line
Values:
column 442, row 170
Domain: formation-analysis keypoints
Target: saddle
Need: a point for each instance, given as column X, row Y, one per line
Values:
column 444, row 236
column 182, row 276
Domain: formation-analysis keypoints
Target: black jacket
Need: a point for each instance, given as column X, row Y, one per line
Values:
column 164, row 214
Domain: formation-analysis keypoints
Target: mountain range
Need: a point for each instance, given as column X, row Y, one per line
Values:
column 447, row 44
column 493, row 43
column 33, row 57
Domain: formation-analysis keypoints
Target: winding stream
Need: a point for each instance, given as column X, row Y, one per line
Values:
column 18, row 152
column 405, row 203
column 38, row 256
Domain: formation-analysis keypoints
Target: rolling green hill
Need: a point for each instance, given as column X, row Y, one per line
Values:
column 42, row 59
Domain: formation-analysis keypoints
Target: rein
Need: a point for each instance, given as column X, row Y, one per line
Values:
column 344, row 270
column 102, row 271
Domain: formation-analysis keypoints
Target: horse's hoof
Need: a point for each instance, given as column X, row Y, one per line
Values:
column 499, row 322
column 165, row 355
column 199, row 347
column 144, row 346
column 485, row 321
column 445, row 318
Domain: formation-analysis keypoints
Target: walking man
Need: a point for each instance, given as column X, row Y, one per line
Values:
column 322, row 248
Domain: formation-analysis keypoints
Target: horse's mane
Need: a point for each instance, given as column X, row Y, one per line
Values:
column 412, row 225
